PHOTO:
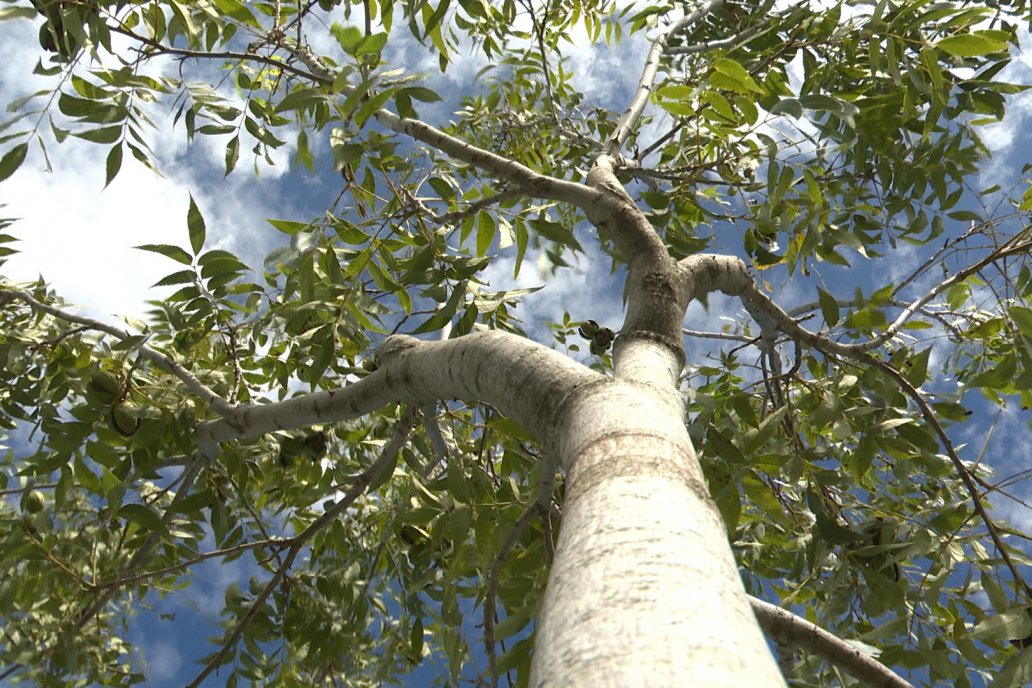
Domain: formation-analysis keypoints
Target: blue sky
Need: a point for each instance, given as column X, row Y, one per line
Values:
column 80, row 239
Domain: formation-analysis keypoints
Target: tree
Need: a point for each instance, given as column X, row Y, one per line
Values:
column 365, row 423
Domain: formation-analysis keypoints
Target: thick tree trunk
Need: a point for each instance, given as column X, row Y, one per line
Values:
column 644, row 589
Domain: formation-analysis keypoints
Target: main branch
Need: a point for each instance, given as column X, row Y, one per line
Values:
column 484, row 366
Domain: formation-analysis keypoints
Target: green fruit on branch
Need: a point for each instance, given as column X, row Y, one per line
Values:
column 124, row 419
column 103, row 387
column 33, row 502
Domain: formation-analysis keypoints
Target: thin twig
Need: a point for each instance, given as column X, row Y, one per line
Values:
column 962, row 471
column 364, row 479
column 207, row 395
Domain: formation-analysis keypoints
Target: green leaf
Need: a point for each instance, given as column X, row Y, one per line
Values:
column 416, row 640
column 733, row 76
column 145, row 517
column 289, row 227
column 180, row 277
column 113, row 164
column 371, row 45
column 195, row 225
column 675, row 92
column 348, row 37
column 1016, row 672
column 369, row 108
column 486, row 230
column 232, row 153
column 102, row 135
column 829, row 307
column 1012, row 624
column 422, row 93
column 12, row 160
column 514, row 623
column 237, row 11
column 788, row 106
column 17, row 13
column 917, row 367
column 971, row 45
column 1022, row 318
column 379, row 479
column 444, row 314
column 174, row 252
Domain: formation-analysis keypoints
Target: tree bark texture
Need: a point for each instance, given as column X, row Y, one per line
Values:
column 644, row 589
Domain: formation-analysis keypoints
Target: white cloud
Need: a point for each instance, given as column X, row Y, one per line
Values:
column 81, row 238
column 163, row 662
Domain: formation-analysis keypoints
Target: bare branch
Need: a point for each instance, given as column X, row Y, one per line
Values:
column 632, row 114
column 793, row 630
column 1010, row 248
column 204, row 556
column 518, row 527
column 718, row 335
column 443, row 448
column 539, row 31
column 722, row 43
column 457, row 216
column 157, row 48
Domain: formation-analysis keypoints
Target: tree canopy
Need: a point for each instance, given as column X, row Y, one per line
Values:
column 814, row 173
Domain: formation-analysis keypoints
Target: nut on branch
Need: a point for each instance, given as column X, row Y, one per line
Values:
column 600, row 338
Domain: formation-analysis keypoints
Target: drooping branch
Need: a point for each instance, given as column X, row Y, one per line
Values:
column 206, row 394
column 157, row 48
column 965, row 475
column 787, row 628
column 493, row 577
column 104, row 594
column 730, row 275
column 524, row 380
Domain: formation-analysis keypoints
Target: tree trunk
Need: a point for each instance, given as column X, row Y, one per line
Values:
column 644, row 589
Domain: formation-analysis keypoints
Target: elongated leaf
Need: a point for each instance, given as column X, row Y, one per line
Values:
column 174, row 252
column 232, row 154
column 102, row 135
column 829, row 307
column 971, row 45
column 445, row 313
column 113, row 164
column 195, row 225
column 12, row 160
